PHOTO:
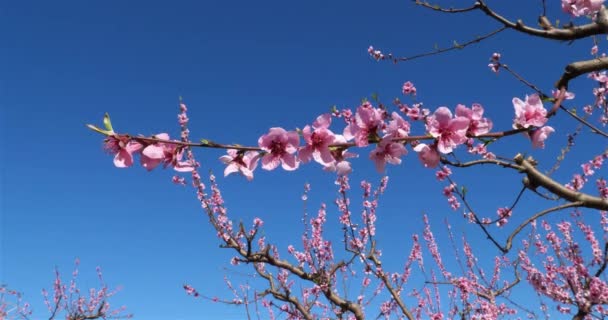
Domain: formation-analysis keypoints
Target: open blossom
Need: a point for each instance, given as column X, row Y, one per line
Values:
column 340, row 165
column 167, row 153
column 123, row 149
column 318, row 141
column 366, row 123
column 241, row 162
column 387, row 151
column 477, row 124
column 408, row 88
column 414, row 112
column 529, row 113
column 397, row 127
column 281, row 146
column 578, row 8
column 450, row 132
column 495, row 62
column 376, row 54
column 428, row 155
column 567, row 96
column 540, row 135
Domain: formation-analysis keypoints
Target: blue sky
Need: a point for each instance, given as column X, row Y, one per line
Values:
column 241, row 67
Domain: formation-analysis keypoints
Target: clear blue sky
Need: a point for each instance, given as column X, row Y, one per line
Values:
column 241, row 67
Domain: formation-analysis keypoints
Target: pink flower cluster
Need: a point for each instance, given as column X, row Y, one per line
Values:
column 567, row 278
column 151, row 154
column 578, row 8
column 532, row 114
column 494, row 62
column 369, row 124
column 376, row 54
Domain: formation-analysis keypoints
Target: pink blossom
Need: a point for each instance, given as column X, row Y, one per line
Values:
column 567, row 96
column 365, row 125
column 408, row 88
column 578, row 8
column 376, row 54
column 397, row 127
column 540, row 135
column 443, row 173
column 243, row 162
column 123, row 149
column 477, row 124
column 529, row 113
column 340, row 165
column 414, row 112
column 387, row 151
column 167, row 153
column 428, row 155
column 281, row 146
column 450, row 132
column 599, row 76
column 179, row 180
column 191, row 291
column 594, row 50
column 495, row 62
column 318, row 141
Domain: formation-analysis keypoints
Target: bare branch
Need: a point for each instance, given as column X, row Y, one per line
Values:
column 537, row 179
column 509, row 243
column 456, row 46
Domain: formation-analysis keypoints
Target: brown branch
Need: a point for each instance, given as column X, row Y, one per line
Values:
column 477, row 220
column 282, row 297
column 599, row 26
column 593, row 128
column 579, row 68
column 537, row 179
column 454, row 47
column 372, row 257
column 497, row 162
column 509, row 243
column 548, row 31
column 523, row 80
column 444, row 10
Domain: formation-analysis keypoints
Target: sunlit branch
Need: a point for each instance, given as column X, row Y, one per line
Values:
column 537, row 179
column 599, row 26
column 497, row 162
column 579, row 68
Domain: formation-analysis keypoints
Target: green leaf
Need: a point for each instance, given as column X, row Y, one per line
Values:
column 463, row 190
column 94, row 128
column 375, row 97
column 107, row 123
column 205, row 141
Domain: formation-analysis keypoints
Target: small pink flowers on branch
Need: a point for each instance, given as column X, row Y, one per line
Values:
column 579, row 8
column 369, row 124
column 153, row 151
column 532, row 113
